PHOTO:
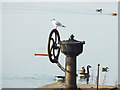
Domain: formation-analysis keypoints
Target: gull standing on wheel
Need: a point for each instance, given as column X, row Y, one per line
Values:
column 56, row 23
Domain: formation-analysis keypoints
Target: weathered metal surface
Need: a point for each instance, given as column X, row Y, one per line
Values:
column 71, row 48
column 61, row 67
column 70, row 77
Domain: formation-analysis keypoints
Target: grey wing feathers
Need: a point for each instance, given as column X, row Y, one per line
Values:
column 58, row 23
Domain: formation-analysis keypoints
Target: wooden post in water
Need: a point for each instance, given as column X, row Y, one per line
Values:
column 98, row 76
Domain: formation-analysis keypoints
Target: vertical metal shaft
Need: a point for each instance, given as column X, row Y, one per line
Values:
column 70, row 79
column 98, row 76
column 71, row 48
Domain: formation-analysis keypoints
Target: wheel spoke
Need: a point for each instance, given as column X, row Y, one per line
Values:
column 56, row 38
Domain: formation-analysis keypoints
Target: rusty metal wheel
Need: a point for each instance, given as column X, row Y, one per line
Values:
column 53, row 46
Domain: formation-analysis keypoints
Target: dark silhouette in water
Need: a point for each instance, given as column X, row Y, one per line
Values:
column 99, row 10
column 87, row 75
column 105, row 69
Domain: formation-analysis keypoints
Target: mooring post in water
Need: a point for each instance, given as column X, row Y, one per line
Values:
column 71, row 48
column 98, row 76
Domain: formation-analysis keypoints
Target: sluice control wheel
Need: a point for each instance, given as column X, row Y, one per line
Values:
column 53, row 46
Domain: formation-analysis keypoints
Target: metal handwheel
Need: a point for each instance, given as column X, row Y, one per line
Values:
column 53, row 46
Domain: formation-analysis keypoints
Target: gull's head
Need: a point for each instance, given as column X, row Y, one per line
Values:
column 52, row 19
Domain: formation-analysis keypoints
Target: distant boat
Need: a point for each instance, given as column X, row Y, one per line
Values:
column 60, row 78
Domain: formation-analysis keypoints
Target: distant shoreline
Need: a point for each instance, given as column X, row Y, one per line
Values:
column 61, row 85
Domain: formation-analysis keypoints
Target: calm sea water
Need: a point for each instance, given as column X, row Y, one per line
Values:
column 26, row 27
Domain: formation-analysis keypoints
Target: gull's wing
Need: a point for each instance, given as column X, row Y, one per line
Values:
column 58, row 23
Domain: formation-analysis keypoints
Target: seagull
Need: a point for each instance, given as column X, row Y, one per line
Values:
column 56, row 23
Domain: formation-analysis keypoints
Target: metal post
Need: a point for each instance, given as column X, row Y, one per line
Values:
column 71, row 48
column 70, row 79
column 98, row 76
